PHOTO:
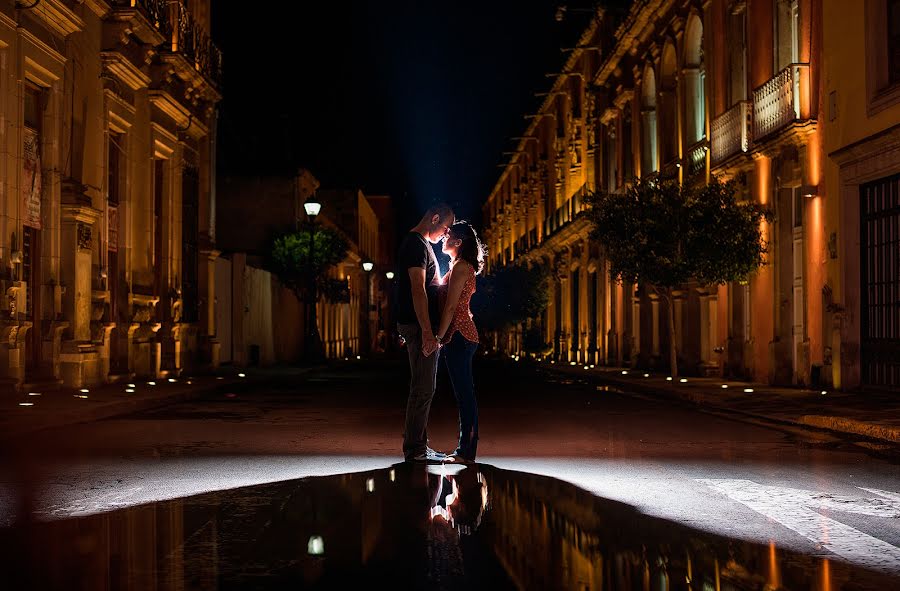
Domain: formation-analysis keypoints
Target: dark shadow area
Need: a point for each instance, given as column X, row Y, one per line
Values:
column 408, row 526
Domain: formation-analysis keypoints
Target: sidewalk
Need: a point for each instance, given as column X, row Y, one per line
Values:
column 874, row 415
column 27, row 412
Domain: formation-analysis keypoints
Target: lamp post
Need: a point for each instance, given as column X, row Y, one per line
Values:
column 312, row 208
column 367, row 339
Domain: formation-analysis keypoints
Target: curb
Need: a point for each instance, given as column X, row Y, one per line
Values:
column 845, row 425
column 833, row 424
column 124, row 406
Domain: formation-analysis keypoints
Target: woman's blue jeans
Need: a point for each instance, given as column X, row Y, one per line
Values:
column 458, row 354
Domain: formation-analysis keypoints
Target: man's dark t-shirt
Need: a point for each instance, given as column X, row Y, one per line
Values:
column 415, row 251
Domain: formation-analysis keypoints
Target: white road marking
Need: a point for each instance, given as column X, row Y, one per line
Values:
column 797, row 510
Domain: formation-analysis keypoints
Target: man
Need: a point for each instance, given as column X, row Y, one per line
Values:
column 417, row 318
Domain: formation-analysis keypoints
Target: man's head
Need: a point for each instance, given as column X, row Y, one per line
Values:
column 436, row 222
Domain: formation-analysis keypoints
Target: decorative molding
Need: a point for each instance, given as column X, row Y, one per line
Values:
column 79, row 213
column 56, row 15
column 136, row 23
column 124, row 70
column 167, row 105
column 98, row 7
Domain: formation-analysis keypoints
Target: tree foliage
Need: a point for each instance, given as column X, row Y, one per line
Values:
column 511, row 295
column 291, row 262
column 663, row 235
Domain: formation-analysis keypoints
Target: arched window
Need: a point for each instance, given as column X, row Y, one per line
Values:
column 649, row 162
column 694, row 82
column 668, row 114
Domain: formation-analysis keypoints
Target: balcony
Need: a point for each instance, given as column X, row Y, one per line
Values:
column 781, row 101
column 730, row 132
column 183, row 36
column 696, row 158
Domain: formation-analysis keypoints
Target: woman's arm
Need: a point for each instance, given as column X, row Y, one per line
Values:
column 458, row 277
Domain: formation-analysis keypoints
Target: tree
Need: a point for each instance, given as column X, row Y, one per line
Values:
column 510, row 295
column 662, row 235
column 304, row 271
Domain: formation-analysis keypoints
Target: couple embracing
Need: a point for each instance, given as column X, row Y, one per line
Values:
column 434, row 319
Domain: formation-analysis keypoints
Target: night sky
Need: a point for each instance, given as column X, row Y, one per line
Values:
column 417, row 100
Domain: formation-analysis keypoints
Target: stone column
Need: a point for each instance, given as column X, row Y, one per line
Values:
column 654, row 309
column 210, row 344
column 635, row 325
column 77, row 240
column 678, row 312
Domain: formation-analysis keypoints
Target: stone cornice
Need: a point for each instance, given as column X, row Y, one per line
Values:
column 124, row 70
column 56, row 15
column 98, row 7
column 167, row 105
column 888, row 139
column 134, row 22
column 186, row 71
column 794, row 134
column 76, row 212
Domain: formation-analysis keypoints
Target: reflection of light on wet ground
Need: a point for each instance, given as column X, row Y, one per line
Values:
column 172, row 478
column 696, row 493
column 499, row 529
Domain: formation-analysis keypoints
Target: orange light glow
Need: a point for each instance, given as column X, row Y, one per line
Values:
column 774, row 573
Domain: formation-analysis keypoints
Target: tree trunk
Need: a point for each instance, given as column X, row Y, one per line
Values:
column 673, row 352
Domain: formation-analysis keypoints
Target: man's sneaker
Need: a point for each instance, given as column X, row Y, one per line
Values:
column 429, row 455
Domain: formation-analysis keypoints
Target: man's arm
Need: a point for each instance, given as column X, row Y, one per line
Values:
column 420, row 305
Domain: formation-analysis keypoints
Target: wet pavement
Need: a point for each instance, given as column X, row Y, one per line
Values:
column 407, row 526
column 295, row 483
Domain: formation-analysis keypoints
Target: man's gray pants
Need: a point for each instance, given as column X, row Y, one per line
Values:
column 422, row 382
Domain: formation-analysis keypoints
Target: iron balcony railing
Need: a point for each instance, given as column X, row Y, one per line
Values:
column 781, row 101
column 183, row 34
column 730, row 132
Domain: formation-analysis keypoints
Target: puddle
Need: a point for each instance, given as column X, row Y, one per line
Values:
column 409, row 526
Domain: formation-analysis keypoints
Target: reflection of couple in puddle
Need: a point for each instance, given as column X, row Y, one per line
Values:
column 460, row 499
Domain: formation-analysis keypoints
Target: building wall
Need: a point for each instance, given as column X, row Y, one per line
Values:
column 685, row 91
column 98, row 289
column 862, row 142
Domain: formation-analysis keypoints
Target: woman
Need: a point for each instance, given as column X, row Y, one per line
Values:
column 457, row 332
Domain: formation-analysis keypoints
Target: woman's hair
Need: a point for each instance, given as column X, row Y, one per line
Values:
column 470, row 249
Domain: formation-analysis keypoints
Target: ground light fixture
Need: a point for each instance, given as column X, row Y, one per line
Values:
column 242, row 375
column 34, row 393
column 26, row 404
column 669, row 379
column 151, row 383
column 646, row 375
column 84, row 390
column 129, row 390
column 370, row 485
column 683, row 380
column 748, row 390
column 367, row 266
column 172, row 380
column 624, row 372
column 389, row 275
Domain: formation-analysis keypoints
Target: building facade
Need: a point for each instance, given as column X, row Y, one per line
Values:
column 268, row 327
column 682, row 90
column 106, row 189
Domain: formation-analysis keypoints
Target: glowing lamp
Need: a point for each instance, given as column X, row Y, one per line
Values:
column 367, row 266
column 389, row 274
column 312, row 207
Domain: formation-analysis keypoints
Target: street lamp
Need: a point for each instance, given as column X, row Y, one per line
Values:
column 312, row 208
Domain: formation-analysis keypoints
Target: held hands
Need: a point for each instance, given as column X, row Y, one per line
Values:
column 430, row 344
